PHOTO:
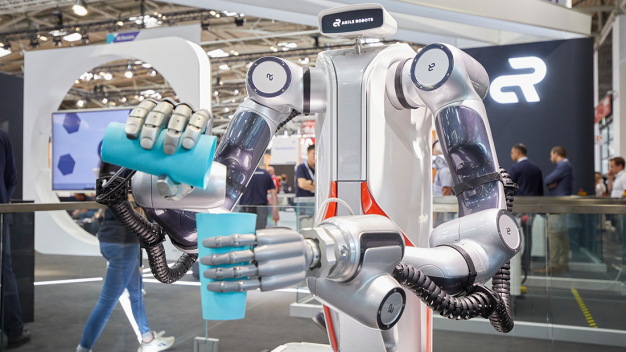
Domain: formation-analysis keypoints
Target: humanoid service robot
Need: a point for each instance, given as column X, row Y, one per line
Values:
column 374, row 157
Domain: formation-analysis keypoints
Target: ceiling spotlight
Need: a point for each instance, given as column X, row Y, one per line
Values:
column 224, row 67
column 123, row 100
column 212, row 13
column 273, row 48
column 70, row 37
column 217, row 15
column 120, row 23
column 216, row 93
column 104, row 100
column 80, row 103
column 236, row 92
column 217, row 53
column 107, row 76
column 146, row 65
column 79, row 8
column 226, row 109
column 76, row 82
column 304, row 60
column 152, row 73
column 43, row 37
column 221, row 83
column 239, row 21
column 56, row 41
column 140, row 98
column 128, row 74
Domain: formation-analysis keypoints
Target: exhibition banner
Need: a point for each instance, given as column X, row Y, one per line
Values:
column 191, row 32
column 541, row 95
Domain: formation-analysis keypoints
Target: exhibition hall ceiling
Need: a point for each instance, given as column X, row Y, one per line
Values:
column 232, row 40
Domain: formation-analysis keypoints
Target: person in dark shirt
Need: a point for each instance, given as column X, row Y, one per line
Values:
column 305, row 175
column 526, row 174
column 120, row 247
column 530, row 181
column 13, row 325
column 560, row 182
column 254, row 199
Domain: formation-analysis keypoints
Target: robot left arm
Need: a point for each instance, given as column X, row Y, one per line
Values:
column 278, row 90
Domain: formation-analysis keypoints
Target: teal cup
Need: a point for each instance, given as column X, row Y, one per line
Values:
column 222, row 305
column 188, row 166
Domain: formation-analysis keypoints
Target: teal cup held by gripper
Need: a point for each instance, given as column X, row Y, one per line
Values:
column 222, row 305
column 188, row 166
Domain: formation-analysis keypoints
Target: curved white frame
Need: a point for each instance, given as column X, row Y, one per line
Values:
column 48, row 76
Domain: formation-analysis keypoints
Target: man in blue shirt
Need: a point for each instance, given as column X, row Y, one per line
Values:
column 13, row 326
column 254, row 199
column 526, row 174
column 530, row 181
column 560, row 182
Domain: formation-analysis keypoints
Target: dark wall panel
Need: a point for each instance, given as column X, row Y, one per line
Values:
column 564, row 114
column 12, row 120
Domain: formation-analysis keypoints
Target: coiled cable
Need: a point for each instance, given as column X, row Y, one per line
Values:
column 150, row 235
column 479, row 300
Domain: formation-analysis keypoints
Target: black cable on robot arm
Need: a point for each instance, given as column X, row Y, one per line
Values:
column 151, row 235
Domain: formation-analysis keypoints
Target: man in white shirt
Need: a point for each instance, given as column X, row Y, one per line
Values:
column 617, row 177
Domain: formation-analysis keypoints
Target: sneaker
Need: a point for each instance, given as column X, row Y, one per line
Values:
column 22, row 340
column 159, row 343
column 320, row 321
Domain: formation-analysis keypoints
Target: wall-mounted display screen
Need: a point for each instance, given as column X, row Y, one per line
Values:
column 76, row 143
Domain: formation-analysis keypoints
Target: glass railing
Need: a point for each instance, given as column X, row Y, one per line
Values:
column 568, row 284
column 58, row 273
column 568, row 281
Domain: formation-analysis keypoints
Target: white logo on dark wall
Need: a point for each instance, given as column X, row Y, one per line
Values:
column 526, row 82
column 337, row 23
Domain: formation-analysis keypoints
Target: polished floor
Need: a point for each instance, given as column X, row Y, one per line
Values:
column 62, row 309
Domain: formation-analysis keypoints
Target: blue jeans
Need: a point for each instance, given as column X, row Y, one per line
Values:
column 13, row 326
column 122, row 273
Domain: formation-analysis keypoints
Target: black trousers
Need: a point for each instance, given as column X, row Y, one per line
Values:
column 261, row 212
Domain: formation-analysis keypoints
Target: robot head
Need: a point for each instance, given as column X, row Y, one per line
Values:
column 357, row 21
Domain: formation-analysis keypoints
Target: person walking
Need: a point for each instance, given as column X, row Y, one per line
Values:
column 120, row 247
column 254, row 199
column 560, row 182
column 528, row 177
column 13, row 326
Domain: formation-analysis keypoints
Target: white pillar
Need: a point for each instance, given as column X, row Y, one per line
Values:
column 619, row 84
column 596, row 99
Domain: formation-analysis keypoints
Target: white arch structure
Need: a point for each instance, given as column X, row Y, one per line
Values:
column 48, row 76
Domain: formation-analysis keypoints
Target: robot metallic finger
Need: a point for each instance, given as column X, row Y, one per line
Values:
column 175, row 128
column 228, row 258
column 234, row 286
column 197, row 124
column 156, row 121
column 136, row 118
column 282, row 266
column 235, row 272
column 235, row 240
column 277, row 236
column 279, row 251
column 275, row 282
